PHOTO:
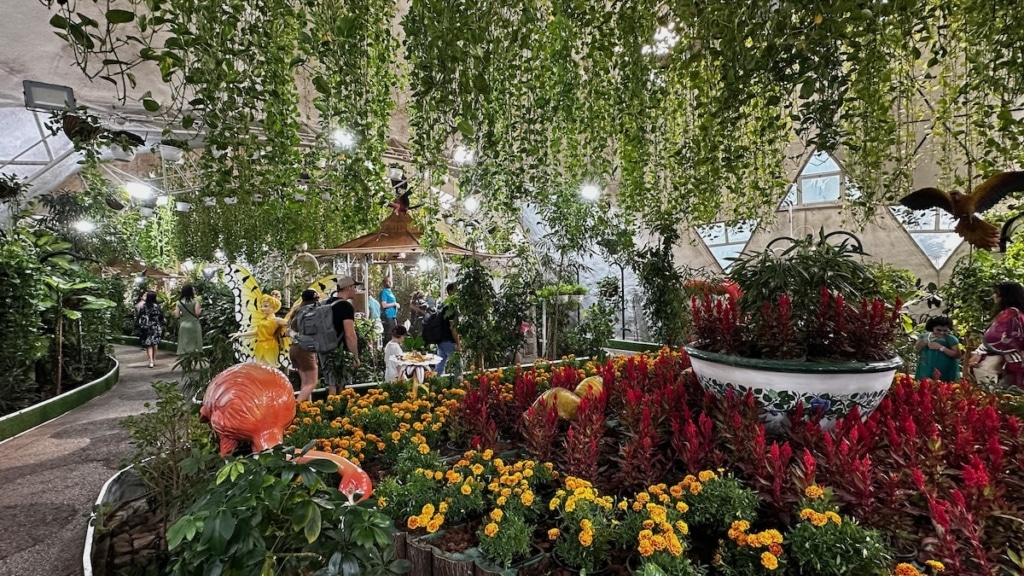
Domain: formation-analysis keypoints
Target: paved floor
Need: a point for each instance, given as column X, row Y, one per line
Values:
column 51, row 475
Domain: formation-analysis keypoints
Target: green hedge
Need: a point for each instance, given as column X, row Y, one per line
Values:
column 18, row 422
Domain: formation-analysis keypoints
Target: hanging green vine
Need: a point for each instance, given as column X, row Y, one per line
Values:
column 683, row 112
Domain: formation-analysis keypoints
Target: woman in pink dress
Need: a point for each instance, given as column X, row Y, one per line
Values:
column 999, row 359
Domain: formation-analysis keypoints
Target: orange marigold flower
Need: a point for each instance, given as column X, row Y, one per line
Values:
column 497, row 514
column 834, row 517
column 706, row 475
column 423, row 449
column 904, row 569
column 813, row 492
column 413, row 522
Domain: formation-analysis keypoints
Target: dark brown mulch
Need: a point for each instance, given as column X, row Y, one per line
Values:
column 457, row 538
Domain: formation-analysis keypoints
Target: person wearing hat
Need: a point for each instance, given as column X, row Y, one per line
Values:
column 343, row 314
column 302, row 359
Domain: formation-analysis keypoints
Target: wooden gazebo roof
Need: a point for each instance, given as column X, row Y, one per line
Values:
column 396, row 235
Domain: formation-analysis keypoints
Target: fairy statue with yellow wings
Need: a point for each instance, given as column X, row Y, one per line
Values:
column 263, row 335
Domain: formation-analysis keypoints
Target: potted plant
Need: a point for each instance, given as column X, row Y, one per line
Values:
column 810, row 327
column 11, row 188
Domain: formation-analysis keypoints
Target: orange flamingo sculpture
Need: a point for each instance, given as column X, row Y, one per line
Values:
column 256, row 403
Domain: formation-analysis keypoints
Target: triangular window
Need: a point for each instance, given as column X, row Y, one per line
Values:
column 932, row 230
column 726, row 242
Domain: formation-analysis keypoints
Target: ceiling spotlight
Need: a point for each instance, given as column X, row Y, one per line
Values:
column 139, row 190
column 471, row 204
column 590, row 192
column 463, row 156
column 343, row 138
column 84, row 226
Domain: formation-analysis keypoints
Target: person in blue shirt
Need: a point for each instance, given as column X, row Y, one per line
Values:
column 389, row 306
column 938, row 351
column 378, row 325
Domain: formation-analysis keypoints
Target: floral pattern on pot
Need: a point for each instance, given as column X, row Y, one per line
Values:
column 779, row 386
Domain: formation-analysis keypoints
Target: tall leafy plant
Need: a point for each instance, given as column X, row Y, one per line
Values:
column 22, row 337
column 665, row 303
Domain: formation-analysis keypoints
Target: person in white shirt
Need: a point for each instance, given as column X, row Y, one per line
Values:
column 391, row 353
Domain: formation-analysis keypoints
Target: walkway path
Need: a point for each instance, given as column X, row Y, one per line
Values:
column 50, row 476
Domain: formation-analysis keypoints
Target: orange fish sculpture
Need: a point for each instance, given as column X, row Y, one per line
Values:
column 256, row 403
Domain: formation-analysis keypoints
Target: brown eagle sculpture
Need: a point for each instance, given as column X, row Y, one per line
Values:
column 966, row 207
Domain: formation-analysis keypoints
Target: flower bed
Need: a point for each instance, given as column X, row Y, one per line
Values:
column 654, row 471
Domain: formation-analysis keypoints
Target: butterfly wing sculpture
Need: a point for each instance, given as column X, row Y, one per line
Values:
column 966, row 207
column 247, row 312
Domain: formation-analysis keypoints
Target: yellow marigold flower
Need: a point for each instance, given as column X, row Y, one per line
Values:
column 807, row 513
column 769, row 561
column 717, row 560
column 643, row 497
column 433, row 526
column 527, row 498
column 645, row 548
column 675, row 547
column 819, row 519
column 586, row 524
column 423, row 449
column 477, row 469
column 396, row 436
column 682, row 507
column 740, row 525
column 586, row 539
column 813, row 492
column 497, row 514
column 904, row 569
column 488, row 454
column 428, row 474
column 659, row 542
column 466, row 489
column 570, row 505
column 935, row 565
column 380, row 446
column 695, row 488
column 413, row 522
column 648, row 524
column 500, row 500
column 307, row 420
column 623, row 504
column 682, row 527
column 706, row 475
column 834, row 517
column 428, row 509
column 443, row 507
column 554, row 503
column 438, row 475
column 773, row 536
column 382, row 502
column 553, row 534
column 491, row 529
column 638, row 506
column 676, row 491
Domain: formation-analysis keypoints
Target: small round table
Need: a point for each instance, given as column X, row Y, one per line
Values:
column 416, row 369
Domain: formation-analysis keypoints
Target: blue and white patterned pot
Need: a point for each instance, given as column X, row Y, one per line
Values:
column 778, row 385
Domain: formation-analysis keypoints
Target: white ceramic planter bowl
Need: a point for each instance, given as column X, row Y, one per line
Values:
column 779, row 385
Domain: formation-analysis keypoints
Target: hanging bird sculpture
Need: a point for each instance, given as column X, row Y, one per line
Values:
column 965, row 207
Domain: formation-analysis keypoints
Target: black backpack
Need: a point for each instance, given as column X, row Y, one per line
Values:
column 436, row 328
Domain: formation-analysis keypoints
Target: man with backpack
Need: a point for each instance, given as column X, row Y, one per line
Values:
column 343, row 316
column 440, row 328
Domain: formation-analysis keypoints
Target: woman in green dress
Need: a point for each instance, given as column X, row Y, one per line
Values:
column 190, row 333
